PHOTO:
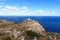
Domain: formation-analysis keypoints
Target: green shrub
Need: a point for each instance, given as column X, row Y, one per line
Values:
column 32, row 34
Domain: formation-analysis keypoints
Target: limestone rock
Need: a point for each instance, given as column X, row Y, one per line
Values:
column 32, row 25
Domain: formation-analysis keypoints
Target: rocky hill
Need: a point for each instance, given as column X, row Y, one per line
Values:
column 26, row 30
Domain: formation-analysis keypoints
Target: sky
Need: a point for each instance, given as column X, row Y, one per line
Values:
column 29, row 7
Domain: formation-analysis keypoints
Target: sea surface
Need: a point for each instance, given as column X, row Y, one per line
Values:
column 50, row 23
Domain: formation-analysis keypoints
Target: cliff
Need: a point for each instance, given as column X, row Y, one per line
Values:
column 26, row 30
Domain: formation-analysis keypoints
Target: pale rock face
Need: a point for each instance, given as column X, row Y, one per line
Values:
column 32, row 25
column 35, row 38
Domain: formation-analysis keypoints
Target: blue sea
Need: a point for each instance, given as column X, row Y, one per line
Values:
column 50, row 23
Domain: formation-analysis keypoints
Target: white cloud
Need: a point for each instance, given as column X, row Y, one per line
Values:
column 52, row 11
column 10, row 8
column 39, row 11
column 46, row 13
column 24, row 11
column 24, row 8
column 16, row 11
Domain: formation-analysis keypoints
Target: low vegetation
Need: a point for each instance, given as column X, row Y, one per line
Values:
column 20, row 31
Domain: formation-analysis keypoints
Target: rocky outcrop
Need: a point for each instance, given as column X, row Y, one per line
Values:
column 26, row 30
column 32, row 25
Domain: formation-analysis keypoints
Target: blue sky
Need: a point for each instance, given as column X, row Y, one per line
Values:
column 29, row 7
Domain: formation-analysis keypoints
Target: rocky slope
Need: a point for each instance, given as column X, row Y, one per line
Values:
column 26, row 30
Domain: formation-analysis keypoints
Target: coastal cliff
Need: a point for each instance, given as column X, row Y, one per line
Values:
column 26, row 30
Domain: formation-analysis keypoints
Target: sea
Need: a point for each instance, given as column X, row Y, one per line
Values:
column 49, row 23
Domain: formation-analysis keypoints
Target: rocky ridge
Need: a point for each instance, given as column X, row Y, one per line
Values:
column 26, row 30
